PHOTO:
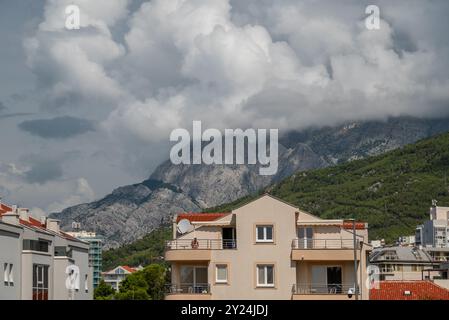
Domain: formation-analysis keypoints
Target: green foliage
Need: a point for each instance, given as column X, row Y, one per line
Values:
column 103, row 291
column 155, row 276
column 134, row 294
column 392, row 192
column 147, row 284
column 149, row 249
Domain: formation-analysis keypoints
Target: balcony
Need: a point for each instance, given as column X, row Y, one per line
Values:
column 323, row 250
column 199, row 250
column 323, row 291
column 188, row 291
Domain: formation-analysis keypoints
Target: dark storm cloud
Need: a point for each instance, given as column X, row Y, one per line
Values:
column 2, row 107
column 57, row 128
column 43, row 171
column 14, row 115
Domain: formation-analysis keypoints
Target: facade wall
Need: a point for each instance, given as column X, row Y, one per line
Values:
column 30, row 258
column 10, row 249
column 243, row 260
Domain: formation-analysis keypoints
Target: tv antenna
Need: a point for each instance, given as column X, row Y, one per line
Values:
column 184, row 226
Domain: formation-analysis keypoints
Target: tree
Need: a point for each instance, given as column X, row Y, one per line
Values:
column 155, row 276
column 147, row 284
column 103, row 291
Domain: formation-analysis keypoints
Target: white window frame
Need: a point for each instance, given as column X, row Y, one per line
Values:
column 86, row 283
column 225, row 266
column 265, row 267
column 265, row 227
column 11, row 274
column 5, row 274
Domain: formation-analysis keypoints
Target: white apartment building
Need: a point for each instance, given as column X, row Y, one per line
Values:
column 35, row 256
column 115, row 276
column 435, row 231
column 266, row 249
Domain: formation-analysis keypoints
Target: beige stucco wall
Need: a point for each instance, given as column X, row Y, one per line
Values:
column 242, row 261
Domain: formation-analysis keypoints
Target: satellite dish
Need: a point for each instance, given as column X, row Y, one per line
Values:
column 184, row 226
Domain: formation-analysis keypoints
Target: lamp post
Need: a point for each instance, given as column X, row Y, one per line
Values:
column 355, row 259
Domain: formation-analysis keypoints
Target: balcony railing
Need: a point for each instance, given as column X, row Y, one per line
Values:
column 201, row 244
column 323, row 244
column 188, row 288
column 323, row 288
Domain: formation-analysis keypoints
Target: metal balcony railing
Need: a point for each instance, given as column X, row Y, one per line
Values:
column 323, row 288
column 201, row 244
column 188, row 288
column 323, row 244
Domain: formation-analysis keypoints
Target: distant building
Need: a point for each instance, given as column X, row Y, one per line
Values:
column 404, row 263
column 95, row 252
column 37, row 258
column 435, row 231
column 377, row 243
column 115, row 276
column 406, row 241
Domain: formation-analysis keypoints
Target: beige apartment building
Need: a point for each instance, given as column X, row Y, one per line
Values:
column 266, row 249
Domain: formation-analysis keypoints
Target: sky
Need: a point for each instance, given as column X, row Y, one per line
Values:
column 85, row 111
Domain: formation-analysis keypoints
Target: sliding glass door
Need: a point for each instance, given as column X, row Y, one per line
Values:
column 194, row 279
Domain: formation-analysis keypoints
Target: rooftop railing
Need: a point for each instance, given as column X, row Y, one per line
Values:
column 323, row 288
column 201, row 244
column 323, row 244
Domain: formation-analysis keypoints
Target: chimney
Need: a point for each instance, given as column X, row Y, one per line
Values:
column 11, row 218
column 53, row 225
column 23, row 214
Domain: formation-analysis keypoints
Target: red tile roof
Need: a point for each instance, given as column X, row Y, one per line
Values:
column 200, row 216
column 419, row 290
column 358, row 225
column 129, row 269
column 4, row 208
column 34, row 223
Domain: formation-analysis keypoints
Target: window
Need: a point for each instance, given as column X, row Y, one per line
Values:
column 265, row 275
column 35, row 245
column 40, row 282
column 61, row 251
column 221, row 271
column 194, row 279
column 5, row 274
column 11, row 275
column 8, row 275
column 86, row 283
column 305, row 238
column 264, row 233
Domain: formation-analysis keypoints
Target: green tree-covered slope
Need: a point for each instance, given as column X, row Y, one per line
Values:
column 392, row 192
column 147, row 250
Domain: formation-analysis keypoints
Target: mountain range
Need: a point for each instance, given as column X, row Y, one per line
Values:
column 132, row 211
